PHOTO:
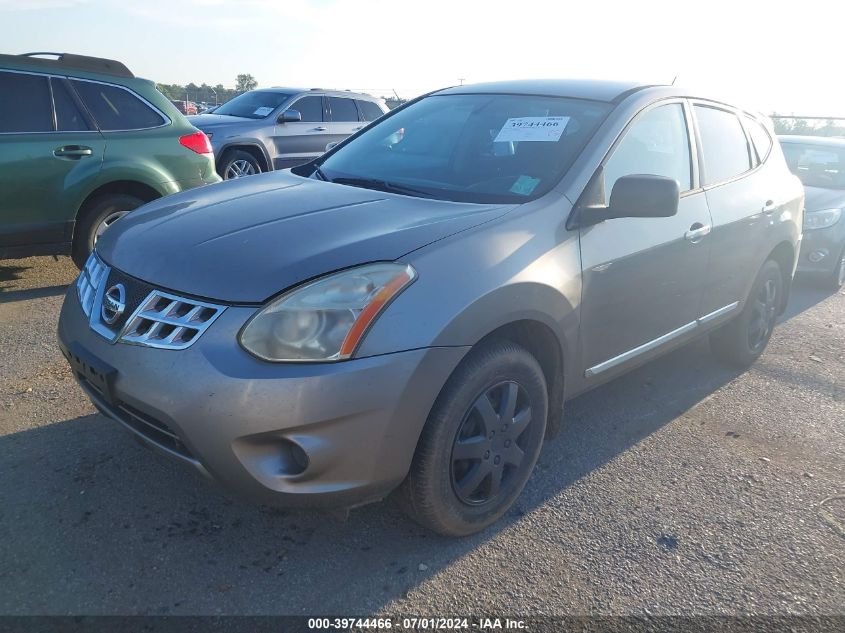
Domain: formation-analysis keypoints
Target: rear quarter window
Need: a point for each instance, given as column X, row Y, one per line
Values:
column 115, row 108
column 369, row 110
column 760, row 137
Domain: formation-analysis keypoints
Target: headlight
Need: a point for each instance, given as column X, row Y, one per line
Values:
column 325, row 319
column 821, row 219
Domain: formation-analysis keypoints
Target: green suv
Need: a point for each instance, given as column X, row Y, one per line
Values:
column 82, row 142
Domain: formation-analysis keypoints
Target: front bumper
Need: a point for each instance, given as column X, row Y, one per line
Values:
column 242, row 421
column 825, row 246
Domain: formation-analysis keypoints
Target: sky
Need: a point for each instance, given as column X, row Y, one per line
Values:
column 770, row 56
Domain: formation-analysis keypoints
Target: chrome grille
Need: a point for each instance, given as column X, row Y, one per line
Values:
column 160, row 319
column 168, row 322
column 89, row 281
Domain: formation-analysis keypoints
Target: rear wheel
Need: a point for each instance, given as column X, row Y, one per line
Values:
column 237, row 164
column 480, row 443
column 95, row 218
column 741, row 341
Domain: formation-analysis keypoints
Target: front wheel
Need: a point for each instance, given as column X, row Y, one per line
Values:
column 480, row 443
column 237, row 164
column 741, row 341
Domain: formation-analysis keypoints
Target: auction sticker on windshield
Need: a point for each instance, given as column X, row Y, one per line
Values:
column 262, row 111
column 532, row 128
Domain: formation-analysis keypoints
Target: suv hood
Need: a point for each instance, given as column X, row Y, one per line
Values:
column 205, row 121
column 245, row 240
column 819, row 198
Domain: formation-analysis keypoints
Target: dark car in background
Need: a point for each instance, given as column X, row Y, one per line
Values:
column 82, row 142
column 276, row 128
column 820, row 164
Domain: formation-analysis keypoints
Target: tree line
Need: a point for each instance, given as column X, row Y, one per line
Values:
column 809, row 127
column 205, row 93
column 219, row 94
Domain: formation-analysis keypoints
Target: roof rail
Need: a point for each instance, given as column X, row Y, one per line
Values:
column 75, row 62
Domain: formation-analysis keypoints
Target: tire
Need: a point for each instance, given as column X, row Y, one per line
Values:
column 237, row 164
column 836, row 279
column 741, row 341
column 95, row 217
column 456, row 496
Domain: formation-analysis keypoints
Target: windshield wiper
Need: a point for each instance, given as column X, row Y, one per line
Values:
column 321, row 174
column 383, row 185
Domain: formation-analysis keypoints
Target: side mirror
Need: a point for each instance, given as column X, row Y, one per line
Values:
column 290, row 116
column 643, row 196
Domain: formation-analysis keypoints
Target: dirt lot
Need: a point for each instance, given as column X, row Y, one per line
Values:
column 683, row 487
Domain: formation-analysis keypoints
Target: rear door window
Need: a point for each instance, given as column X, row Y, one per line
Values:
column 25, row 104
column 311, row 109
column 657, row 143
column 343, row 109
column 115, row 108
column 69, row 117
column 723, row 144
column 369, row 110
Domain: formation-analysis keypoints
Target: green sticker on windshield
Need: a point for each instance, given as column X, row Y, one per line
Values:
column 524, row 185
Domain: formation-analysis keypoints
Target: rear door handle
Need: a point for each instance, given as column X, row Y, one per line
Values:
column 320, row 129
column 697, row 232
column 74, row 152
column 769, row 207
column 355, row 129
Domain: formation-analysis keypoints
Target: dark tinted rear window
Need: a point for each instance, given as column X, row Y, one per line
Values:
column 25, row 103
column 369, row 110
column 343, row 109
column 115, row 108
column 311, row 108
column 723, row 144
column 68, row 116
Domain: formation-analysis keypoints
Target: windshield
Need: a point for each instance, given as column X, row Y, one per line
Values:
column 470, row 148
column 253, row 105
column 816, row 165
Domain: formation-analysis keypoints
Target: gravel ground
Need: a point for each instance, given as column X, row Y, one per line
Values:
column 681, row 488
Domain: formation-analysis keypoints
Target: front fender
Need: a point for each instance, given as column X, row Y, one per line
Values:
column 524, row 267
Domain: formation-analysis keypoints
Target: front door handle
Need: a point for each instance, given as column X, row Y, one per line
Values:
column 769, row 207
column 697, row 232
column 320, row 129
column 73, row 152
column 360, row 127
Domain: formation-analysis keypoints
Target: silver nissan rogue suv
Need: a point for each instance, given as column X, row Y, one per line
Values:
column 410, row 311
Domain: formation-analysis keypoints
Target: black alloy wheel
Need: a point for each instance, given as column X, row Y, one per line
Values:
column 490, row 445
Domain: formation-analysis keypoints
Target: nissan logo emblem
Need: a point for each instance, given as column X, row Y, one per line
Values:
column 114, row 303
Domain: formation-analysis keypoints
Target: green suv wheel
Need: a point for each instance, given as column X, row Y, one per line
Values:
column 95, row 218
